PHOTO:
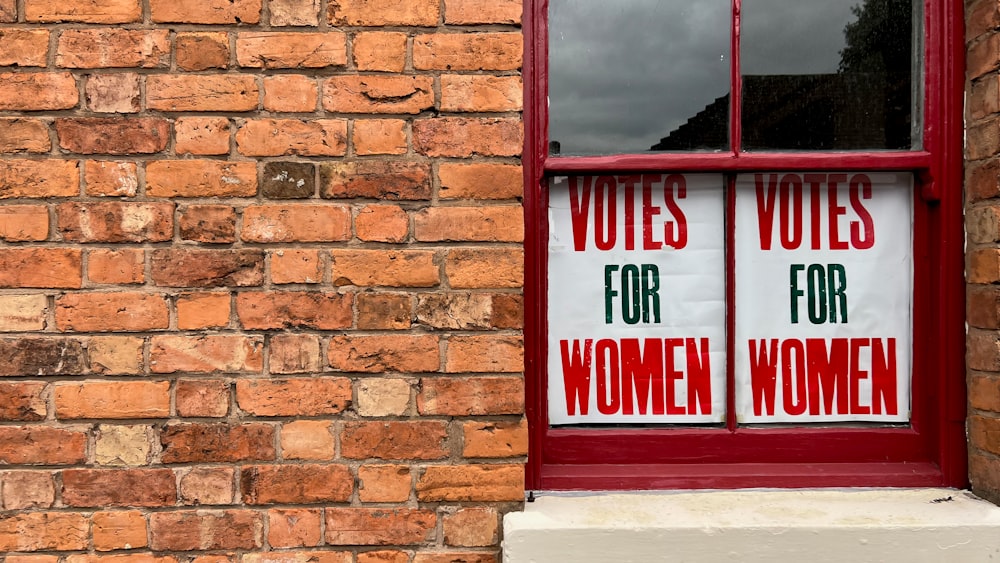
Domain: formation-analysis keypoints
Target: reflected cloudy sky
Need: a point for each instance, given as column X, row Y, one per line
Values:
column 624, row 73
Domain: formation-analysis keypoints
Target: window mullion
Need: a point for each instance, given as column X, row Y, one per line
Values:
column 736, row 83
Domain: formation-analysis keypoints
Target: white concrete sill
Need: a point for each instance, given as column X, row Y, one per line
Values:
column 817, row 525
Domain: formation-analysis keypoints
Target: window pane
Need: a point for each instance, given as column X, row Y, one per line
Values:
column 827, row 74
column 632, row 76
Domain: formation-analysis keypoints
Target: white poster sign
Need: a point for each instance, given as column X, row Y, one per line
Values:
column 823, row 297
column 636, row 299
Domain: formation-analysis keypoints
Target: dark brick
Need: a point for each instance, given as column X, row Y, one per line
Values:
column 289, row 180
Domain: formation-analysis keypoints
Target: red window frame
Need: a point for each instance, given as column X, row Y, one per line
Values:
column 930, row 452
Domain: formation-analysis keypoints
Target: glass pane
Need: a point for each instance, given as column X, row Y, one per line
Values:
column 632, row 76
column 828, row 74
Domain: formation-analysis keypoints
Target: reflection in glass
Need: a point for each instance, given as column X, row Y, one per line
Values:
column 624, row 75
column 828, row 74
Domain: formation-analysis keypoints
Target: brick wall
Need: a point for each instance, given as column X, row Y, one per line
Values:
column 982, row 192
column 260, row 280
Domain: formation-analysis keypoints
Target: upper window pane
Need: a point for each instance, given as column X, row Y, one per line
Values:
column 633, row 76
column 828, row 74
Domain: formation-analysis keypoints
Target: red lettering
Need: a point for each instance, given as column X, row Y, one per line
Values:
column 835, row 211
column 763, row 374
column 648, row 212
column 579, row 210
column 675, row 234
column 608, row 377
column 793, row 380
column 642, row 371
column 863, row 233
column 857, row 374
column 605, row 224
column 827, row 375
column 884, row 377
column 576, row 375
column 699, row 377
column 765, row 208
column 790, row 211
column 629, row 183
column 815, row 181
column 671, row 374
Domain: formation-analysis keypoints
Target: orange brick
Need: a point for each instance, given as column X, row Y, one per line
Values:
column 307, row 439
column 468, row 51
column 204, row 92
column 38, row 178
column 22, row 401
column 467, row 12
column 200, row 178
column 296, row 223
column 190, row 530
column 201, row 51
column 113, row 399
column 296, row 484
column 280, row 137
column 37, row 91
column 378, row 353
column 485, row 267
column 291, row 50
column 294, row 397
column 474, row 483
column 118, row 487
column 110, row 47
column 294, row 353
column 208, row 485
column 23, row 47
column 24, row 135
column 983, row 265
column 113, row 221
column 465, row 396
column 206, row 354
column 486, row 224
column 379, row 136
column 290, row 93
column 27, row 489
column 384, row 556
column 384, row 311
column 122, row 266
column 88, row 11
column 378, row 94
column 113, row 93
column 202, row 398
column 294, row 309
column 471, row 527
column 217, row 443
column 294, row 527
column 490, row 353
column 422, row 439
column 379, row 526
column 119, row 530
column 385, row 268
column 480, row 181
column 21, row 223
column 181, row 267
column 495, row 439
column 380, row 51
column 984, row 392
column 43, row 531
column 454, row 557
column 111, row 312
column 984, row 433
column 384, row 483
column 8, row 13
column 207, row 223
column 41, row 267
column 39, row 445
column 203, row 310
column 205, row 11
column 463, row 137
column 480, row 93
column 201, row 135
column 384, row 13
column 296, row 266
column 382, row 223
column 376, row 179
column 111, row 179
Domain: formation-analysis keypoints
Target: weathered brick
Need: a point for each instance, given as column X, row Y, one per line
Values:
column 296, row 484
column 471, row 527
column 459, row 311
column 282, row 137
column 296, row 266
column 384, row 12
column 205, row 11
column 296, row 223
column 22, row 313
column 200, row 178
column 983, row 265
column 384, row 483
column 291, row 50
column 113, row 93
column 294, row 12
column 22, row 400
column 118, row 487
column 463, row 137
column 23, row 47
column 203, row 310
column 85, row 11
column 495, row 439
column 376, row 179
column 201, row 135
column 467, row 12
column 37, row 91
column 194, row 443
column 114, row 221
column 120, row 558
column 21, row 134
column 983, row 98
column 207, row 223
column 384, row 311
column 294, row 527
column 310, row 556
column 488, row 353
column 27, row 489
column 477, row 93
column 41, row 445
column 41, row 267
column 487, row 224
column 120, row 529
column 8, row 10
column 188, row 530
column 201, row 51
column 379, row 526
column 386, row 268
column 122, row 445
column 294, row 309
column 475, row 483
column 288, row 180
column 378, row 353
column 382, row 223
column 983, row 138
column 983, row 475
column 983, row 57
column 378, row 94
column 113, row 399
column 981, row 16
column 31, row 356
column 464, row 396
column 379, row 51
column 469, row 268
column 203, row 92
column 379, row 136
column 115, row 355
column 454, row 557
column 206, row 353
column 984, row 391
column 290, row 93
column 468, row 51
column 422, row 439
column 983, row 306
column 109, row 47
column 111, row 179
column 43, row 531
column 480, row 181
column 294, row 353
column 384, row 556
column 22, row 223
column 307, row 439
column 984, row 433
column 202, row 398
column 383, row 397
column 38, row 178
column 120, row 266
column 207, row 268
column 208, row 485
column 293, row 397
column 982, row 350
column 111, row 312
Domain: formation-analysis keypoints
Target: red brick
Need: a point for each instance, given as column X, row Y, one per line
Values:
column 22, row 400
column 207, row 223
column 475, row 483
column 983, row 265
column 37, row 91
column 118, row 487
column 27, row 489
column 84, row 11
column 43, row 531
column 113, row 399
column 296, row 484
column 386, row 268
column 471, row 527
column 490, row 353
column 294, row 527
column 376, row 179
column 218, row 443
column 109, row 47
column 208, row 485
column 423, row 439
column 22, row 223
column 984, row 392
column 307, row 439
column 982, row 179
column 201, row 51
column 379, row 136
column 200, row 178
column 310, row 556
column 296, row 223
column 378, row 94
column 290, row 93
column 384, row 13
column 294, row 12
column 983, row 306
column 379, row 526
column 379, row 51
column 121, row 529
column 436, row 224
column 466, row 12
column 982, row 350
column 480, row 181
column 205, row 11
column 202, row 398
column 379, row 353
column 189, row 530
column 111, row 312
column 319, row 396
column 464, row 396
column 206, row 353
column 201, row 135
column 463, row 137
column 116, row 221
column 461, row 311
column 30, row 356
column 179, row 267
column 8, row 13
column 468, row 51
column 384, row 311
column 204, row 92
column 280, row 137
column 384, row 483
column 454, row 557
column 111, row 179
column 382, row 223
column 123, row 266
column 203, row 310
column 495, row 439
column 23, row 47
column 477, row 93
column 469, row 268
column 41, row 267
column 38, row 178
column 384, row 556
column 298, row 309
column 33, row 559
column 24, row 135
column 294, row 353
column 296, row 266
column 113, row 93
column 291, row 50
column 40, row 445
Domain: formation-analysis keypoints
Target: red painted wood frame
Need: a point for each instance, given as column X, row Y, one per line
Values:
column 930, row 452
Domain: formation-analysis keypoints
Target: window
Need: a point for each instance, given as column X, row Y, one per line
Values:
column 744, row 243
